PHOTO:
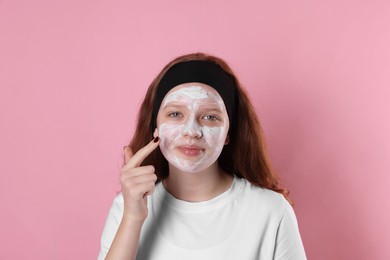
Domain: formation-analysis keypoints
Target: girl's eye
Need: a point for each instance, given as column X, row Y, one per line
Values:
column 210, row 118
column 175, row 114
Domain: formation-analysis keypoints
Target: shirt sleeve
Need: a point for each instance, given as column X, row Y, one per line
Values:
column 111, row 226
column 289, row 245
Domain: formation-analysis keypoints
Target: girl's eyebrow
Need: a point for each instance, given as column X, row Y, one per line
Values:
column 211, row 109
column 173, row 104
column 207, row 107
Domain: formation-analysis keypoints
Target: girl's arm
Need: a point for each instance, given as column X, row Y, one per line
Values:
column 137, row 182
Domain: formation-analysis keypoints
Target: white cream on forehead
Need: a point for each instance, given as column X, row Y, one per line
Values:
column 191, row 93
column 173, row 134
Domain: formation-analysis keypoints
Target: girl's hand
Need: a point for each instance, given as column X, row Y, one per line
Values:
column 137, row 182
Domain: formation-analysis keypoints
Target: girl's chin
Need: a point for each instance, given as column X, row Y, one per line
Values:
column 191, row 170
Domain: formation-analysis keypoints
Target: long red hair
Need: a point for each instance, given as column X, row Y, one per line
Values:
column 245, row 156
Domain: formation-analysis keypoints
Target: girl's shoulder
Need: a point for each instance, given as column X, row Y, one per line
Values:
column 262, row 198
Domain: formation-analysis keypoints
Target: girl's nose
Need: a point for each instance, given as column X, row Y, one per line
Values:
column 192, row 128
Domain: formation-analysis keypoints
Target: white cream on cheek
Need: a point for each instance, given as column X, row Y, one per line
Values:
column 210, row 138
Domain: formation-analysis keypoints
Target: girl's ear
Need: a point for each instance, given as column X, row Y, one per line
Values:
column 227, row 140
column 155, row 133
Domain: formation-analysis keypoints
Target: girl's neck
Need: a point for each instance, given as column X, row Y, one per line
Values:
column 199, row 186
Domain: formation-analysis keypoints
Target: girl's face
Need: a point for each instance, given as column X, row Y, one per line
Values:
column 192, row 124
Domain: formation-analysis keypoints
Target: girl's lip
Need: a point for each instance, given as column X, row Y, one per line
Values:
column 190, row 150
column 190, row 146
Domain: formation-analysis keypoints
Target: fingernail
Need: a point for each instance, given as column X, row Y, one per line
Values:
column 124, row 147
column 156, row 139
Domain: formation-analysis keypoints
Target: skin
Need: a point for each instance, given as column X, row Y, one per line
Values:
column 137, row 182
column 193, row 124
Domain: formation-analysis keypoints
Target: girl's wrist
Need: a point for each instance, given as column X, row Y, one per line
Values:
column 131, row 220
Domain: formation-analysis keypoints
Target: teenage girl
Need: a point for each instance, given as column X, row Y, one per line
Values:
column 197, row 182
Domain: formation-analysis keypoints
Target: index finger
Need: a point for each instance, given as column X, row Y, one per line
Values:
column 142, row 153
column 128, row 153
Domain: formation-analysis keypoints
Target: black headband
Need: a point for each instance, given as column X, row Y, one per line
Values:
column 205, row 72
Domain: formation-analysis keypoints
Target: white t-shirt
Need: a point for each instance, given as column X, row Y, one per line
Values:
column 245, row 222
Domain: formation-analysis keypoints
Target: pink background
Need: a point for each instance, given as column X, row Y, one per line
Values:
column 73, row 73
